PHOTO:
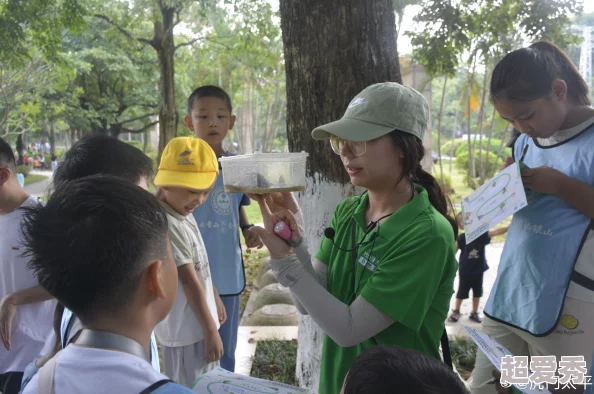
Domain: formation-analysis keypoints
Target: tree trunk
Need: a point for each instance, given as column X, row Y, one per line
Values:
column 443, row 92
column 501, row 146
column 471, row 168
column 52, row 137
column 163, row 44
column 480, row 127
column 20, row 147
column 486, row 166
column 333, row 50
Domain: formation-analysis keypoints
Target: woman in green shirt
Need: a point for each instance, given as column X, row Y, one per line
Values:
column 385, row 270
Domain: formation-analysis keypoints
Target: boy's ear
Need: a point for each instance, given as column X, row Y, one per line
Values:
column 155, row 279
column 232, row 122
column 188, row 122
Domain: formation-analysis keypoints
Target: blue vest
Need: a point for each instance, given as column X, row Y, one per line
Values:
column 218, row 220
column 543, row 242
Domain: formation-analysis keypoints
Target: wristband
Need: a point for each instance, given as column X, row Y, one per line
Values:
column 246, row 226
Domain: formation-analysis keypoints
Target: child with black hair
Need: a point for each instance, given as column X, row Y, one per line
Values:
column 100, row 246
column 31, row 332
column 393, row 369
column 210, row 117
column 471, row 268
column 542, row 302
column 189, row 337
column 93, row 154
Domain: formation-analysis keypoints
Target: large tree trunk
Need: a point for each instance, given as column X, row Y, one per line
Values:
column 163, row 44
column 333, row 50
column 20, row 147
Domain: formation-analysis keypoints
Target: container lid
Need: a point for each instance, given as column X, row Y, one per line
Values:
column 267, row 156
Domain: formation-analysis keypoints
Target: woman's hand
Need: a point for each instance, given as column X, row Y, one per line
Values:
column 277, row 247
column 278, row 201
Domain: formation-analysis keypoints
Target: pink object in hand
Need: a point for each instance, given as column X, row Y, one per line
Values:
column 282, row 230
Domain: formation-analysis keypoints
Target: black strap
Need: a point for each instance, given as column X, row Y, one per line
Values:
column 155, row 386
column 445, row 349
column 582, row 280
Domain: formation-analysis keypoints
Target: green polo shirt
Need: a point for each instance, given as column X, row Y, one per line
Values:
column 407, row 272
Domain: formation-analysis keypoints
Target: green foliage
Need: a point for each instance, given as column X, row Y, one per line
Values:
column 446, row 148
column 447, row 185
column 276, row 361
column 34, row 178
column 490, row 161
column 463, row 351
column 493, row 148
column 450, row 31
column 39, row 24
column 23, row 169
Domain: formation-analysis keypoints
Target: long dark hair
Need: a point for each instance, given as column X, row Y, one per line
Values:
column 527, row 74
column 413, row 150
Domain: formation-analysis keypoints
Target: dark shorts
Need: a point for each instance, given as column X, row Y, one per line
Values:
column 10, row 382
column 474, row 282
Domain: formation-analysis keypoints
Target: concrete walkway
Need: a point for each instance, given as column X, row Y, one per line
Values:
column 40, row 188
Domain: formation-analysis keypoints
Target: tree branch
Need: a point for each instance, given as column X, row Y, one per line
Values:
column 138, row 118
column 187, row 43
column 136, row 131
column 124, row 31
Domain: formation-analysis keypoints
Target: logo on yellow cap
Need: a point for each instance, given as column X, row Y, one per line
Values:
column 184, row 160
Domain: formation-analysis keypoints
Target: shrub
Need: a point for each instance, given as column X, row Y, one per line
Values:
column 491, row 161
column 23, row 169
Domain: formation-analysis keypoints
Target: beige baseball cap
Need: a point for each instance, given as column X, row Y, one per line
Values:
column 378, row 110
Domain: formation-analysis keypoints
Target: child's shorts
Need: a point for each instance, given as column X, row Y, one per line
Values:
column 184, row 364
column 474, row 282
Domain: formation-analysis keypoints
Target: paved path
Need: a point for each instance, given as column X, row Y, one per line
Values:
column 40, row 188
column 493, row 253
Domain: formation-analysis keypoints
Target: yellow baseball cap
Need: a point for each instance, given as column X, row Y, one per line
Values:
column 188, row 162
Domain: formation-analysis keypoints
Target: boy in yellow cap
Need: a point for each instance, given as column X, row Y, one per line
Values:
column 191, row 344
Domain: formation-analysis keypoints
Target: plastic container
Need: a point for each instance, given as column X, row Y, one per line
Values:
column 261, row 173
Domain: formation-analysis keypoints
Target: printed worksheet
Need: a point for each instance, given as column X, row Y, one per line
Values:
column 221, row 381
column 499, row 198
column 495, row 352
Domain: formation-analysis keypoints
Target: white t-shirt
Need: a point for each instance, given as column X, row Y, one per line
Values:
column 88, row 370
column 32, row 332
column 181, row 327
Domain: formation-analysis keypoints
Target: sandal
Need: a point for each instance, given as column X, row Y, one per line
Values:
column 454, row 316
column 474, row 316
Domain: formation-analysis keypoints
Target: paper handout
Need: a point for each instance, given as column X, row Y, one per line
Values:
column 495, row 352
column 499, row 198
column 221, row 381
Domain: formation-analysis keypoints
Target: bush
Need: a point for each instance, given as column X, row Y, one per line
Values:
column 23, row 169
column 448, row 186
column 493, row 148
column 446, row 147
column 492, row 163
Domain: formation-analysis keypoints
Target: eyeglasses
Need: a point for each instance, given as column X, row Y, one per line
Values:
column 357, row 148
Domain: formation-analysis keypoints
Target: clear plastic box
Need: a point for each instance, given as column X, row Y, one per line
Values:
column 260, row 173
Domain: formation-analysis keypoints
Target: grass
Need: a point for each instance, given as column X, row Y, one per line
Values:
column 251, row 262
column 34, row 178
column 463, row 351
column 275, row 360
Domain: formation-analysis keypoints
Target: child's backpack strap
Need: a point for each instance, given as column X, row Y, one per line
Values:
column 45, row 385
column 166, row 386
